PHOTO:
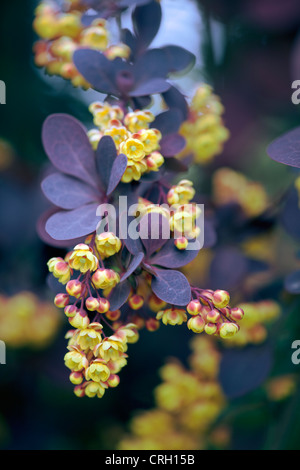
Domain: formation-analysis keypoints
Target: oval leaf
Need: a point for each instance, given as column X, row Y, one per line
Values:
column 172, row 144
column 77, row 223
column 117, row 171
column 146, row 22
column 170, row 257
column 119, row 295
column 171, row 286
column 178, row 58
column 67, row 192
column 106, row 154
column 134, row 264
column 154, row 229
column 286, row 149
column 67, row 145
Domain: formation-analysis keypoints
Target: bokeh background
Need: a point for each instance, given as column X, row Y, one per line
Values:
column 249, row 51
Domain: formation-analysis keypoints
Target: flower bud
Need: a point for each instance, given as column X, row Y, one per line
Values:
column 79, row 391
column 155, row 304
column 113, row 315
column 61, row 300
column 152, row 324
column 136, row 302
column 71, row 310
column 227, row 330
column 236, row 314
column 196, row 324
column 194, row 307
column 103, row 305
column 92, row 304
column 221, row 298
column 104, row 278
column 210, row 328
column 76, row 378
column 74, row 288
column 80, row 320
column 181, row 243
column 113, row 380
column 213, row 316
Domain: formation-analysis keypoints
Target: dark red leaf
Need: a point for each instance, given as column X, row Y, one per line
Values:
column 171, row 286
column 178, row 58
column 67, row 192
column 119, row 295
column 170, row 257
column 146, row 22
column 286, row 149
column 117, row 171
column 77, row 223
column 106, row 154
column 68, row 147
column 168, row 122
column 171, row 145
column 150, row 87
column 134, row 264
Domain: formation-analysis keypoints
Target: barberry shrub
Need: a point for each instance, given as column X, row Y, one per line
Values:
column 115, row 284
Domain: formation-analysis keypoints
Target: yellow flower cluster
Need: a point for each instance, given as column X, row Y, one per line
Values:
column 132, row 136
column 204, row 130
column 26, row 321
column 257, row 315
column 230, row 186
column 62, row 33
column 95, row 359
column 188, row 402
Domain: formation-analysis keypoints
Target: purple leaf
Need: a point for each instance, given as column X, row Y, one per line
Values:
column 170, row 257
column 178, row 58
column 117, row 171
column 68, row 147
column 150, row 87
column 171, row 286
column 146, row 22
column 133, row 245
column 175, row 99
column 119, row 295
column 99, row 71
column 134, row 264
column 290, row 215
column 106, row 154
column 45, row 237
column 152, row 64
column 77, row 223
column 244, row 370
column 154, row 231
column 171, row 145
column 168, row 122
column 292, row 283
column 67, row 192
column 286, row 149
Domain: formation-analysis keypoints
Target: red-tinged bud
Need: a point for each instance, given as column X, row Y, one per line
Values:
column 152, row 324
column 208, row 294
column 71, row 310
column 80, row 320
column 227, row 330
column 92, row 304
column 61, row 300
column 74, row 288
column 181, row 243
column 196, row 324
column 103, row 305
column 113, row 380
column 221, row 298
column 236, row 314
column 76, row 378
column 138, row 321
column 194, row 307
column 213, row 316
column 113, row 316
column 210, row 328
column 155, row 304
column 79, row 391
column 136, row 302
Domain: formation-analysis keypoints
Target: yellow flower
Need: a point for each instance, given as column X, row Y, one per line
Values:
column 118, row 50
column 105, row 278
column 133, row 149
column 93, row 389
column 108, row 244
column 111, row 348
column 134, row 171
column 138, row 120
column 150, row 138
column 60, row 269
column 94, row 136
column 172, row 316
column 97, row 371
column 103, row 113
column 118, row 132
column 75, row 360
column 88, row 338
column 82, row 259
column 95, row 37
column 182, row 193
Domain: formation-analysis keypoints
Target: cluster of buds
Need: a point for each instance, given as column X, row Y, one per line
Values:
column 25, row 320
column 131, row 135
column 257, row 316
column 230, row 186
column 204, row 130
column 210, row 313
column 188, row 401
column 95, row 359
column 62, row 33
